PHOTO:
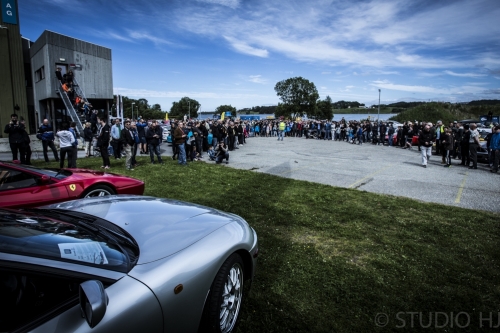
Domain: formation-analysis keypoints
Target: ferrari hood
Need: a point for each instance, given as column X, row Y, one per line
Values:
column 161, row 227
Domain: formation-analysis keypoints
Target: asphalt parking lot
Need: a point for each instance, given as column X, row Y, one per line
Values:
column 377, row 169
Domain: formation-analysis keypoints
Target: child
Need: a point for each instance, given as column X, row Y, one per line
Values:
column 448, row 146
column 211, row 153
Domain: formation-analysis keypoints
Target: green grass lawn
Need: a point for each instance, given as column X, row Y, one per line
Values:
column 331, row 259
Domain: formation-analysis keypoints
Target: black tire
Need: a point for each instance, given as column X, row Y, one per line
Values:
column 224, row 297
column 98, row 191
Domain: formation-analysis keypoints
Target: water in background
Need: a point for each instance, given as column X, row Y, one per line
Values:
column 337, row 117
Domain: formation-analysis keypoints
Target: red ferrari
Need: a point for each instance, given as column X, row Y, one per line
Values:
column 27, row 186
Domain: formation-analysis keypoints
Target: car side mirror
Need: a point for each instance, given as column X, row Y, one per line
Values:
column 44, row 180
column 93, row 301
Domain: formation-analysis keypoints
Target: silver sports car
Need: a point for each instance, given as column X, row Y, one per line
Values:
column 123, row 264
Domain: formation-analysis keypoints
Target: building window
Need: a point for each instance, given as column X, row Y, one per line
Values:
column 40, row 74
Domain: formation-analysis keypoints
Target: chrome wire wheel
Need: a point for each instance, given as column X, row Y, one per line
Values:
column 231, row 298
column 99, row 191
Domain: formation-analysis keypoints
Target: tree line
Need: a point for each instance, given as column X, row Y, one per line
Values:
column 299, row 97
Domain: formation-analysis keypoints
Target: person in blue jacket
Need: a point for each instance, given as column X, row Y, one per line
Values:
column 46, row 134
column 495, row 148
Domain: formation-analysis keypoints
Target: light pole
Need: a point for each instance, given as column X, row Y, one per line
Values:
column 189, row 109
column 133, row 111
column 378, row 117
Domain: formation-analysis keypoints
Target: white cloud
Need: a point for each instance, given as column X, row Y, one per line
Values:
column 246, row 49
column 145, row 36
column 229, row 3
column 119, row 37
column 464, row 74
column 257, row 79
column 325, row 73
column 427, row 89
column 146, row 93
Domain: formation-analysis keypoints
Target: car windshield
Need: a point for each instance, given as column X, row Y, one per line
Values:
column 47, row 237
column 54, row 173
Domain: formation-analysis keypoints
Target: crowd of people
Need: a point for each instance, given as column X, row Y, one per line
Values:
column 455, row 141
column 194, row 139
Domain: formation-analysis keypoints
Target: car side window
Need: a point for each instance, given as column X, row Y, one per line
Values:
column 11, row 179
column 34, row 296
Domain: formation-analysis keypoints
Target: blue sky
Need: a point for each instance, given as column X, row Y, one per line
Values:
column 234, row 51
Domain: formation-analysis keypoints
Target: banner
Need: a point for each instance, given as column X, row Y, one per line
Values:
column 9, row 12
column 222, row 116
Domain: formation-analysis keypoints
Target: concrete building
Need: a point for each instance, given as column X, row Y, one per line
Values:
column 28, row 84
column 13, row 97
column 92, row 68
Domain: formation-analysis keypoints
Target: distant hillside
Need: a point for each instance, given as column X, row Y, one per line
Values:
column 446, row 112
column 485, row 102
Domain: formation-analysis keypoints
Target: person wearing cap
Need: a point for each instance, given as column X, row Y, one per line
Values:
column 495, row 148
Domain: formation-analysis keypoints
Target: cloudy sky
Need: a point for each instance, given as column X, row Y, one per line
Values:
column 234, row 51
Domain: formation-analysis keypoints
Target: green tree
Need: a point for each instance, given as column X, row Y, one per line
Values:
column 325, row 109
column 299, row 97
column 226, row 108
column 185, row 106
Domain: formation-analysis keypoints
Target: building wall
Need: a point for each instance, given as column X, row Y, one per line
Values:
column 95, row 67
column 12, row 80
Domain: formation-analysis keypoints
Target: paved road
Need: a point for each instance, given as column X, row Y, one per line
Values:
column 371, row 168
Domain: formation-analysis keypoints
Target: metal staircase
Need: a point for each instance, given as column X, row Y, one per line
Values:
column 69, row 106
column 78, row 91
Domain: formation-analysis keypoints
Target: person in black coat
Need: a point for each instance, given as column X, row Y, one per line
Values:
column 128, row 144
column 215, row 133
column 59, row 75
column 464, row 146
column 27, row 147
column 16, row 131
column 93, row 121
column 239, row 132
column 153, row 137
column 103, row 138
column 69, row 77
column 88, row 136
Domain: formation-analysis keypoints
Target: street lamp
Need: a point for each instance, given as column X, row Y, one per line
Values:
column 378, row 117
column 133, row 111
column 189, row 109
